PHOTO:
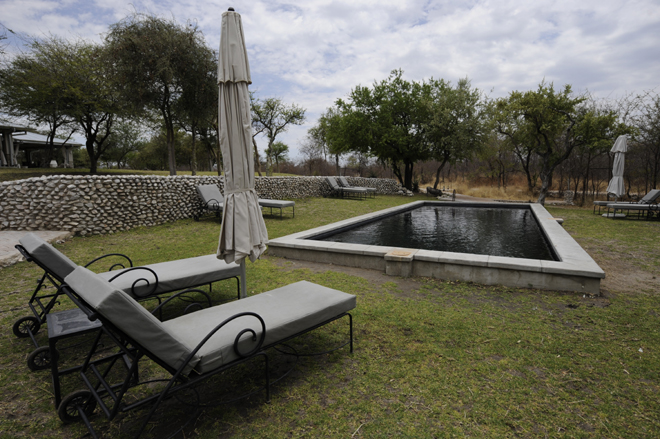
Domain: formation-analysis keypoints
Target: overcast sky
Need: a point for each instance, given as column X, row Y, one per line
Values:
column 315, row 51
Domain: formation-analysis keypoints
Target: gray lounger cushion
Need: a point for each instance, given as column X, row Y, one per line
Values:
column 211, row 196
column 632, row 206
column 130, row 317
column 175, row 275
column 56, row 262
column 346, row 185
column 265, row 202
column 333, row 184
column 286, row 311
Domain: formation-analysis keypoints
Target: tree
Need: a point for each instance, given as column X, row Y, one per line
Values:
column 272, row 117
column 457, row 128
column 33, row 87
column 153, row 59
column 329, row 136
column 312, row 154
column 278, row 151
column 197, row 108
column 385, row 121
column 647, row 123
column 3, row 36
column 92, row 97
column 125, row 139
column 551, row 124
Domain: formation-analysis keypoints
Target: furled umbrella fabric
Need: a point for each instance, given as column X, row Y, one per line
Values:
column 243, row 233
column 617, row 185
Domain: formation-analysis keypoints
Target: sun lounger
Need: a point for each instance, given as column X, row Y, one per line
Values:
column 139, row 282
column 278, row 204
column 345, row 191
column 192, row 347
column 212, row 200
column 646, row 211
column 651, row 197
column 344, row 184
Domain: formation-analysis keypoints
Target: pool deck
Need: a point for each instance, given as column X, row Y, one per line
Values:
column 575, row 270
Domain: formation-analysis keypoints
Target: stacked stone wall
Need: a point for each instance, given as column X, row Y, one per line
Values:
column 106, row 204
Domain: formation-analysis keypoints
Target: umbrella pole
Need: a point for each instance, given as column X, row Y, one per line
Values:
column 243, row 280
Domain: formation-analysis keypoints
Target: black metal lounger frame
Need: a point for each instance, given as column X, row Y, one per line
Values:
column 79, row 405
column 280, row 207
column 48, row 356
column 341, row 192
column 41, row 305
column 649, row 211
column 43, row 357
column 370, row 191
column 213, row 206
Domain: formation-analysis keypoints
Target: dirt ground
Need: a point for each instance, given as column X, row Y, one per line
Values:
column 621, row 277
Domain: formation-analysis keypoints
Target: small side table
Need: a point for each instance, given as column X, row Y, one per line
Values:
column 61, row 325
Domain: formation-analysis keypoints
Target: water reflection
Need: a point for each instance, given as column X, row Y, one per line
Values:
column 485, row 231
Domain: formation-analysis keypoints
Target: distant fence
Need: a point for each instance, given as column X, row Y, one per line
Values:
column 106, row 204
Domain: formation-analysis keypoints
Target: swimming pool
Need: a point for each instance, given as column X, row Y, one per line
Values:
column 485, row 230
column 573, row 269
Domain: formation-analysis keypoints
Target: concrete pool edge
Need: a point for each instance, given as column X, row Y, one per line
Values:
column 575, row 271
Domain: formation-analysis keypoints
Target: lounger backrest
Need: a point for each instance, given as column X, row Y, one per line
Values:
column 129, row 317
column 210, row 194
column 332, row 182
column 343, row 181
column 47, row 256
column 651, row 197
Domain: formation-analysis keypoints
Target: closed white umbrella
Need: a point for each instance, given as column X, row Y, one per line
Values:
column 617, row 185
column 243, row 233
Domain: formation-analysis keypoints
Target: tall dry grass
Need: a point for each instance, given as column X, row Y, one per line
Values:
column 516, row 191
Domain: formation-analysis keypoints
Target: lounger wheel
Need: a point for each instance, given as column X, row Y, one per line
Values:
column 68, row 409
column 25, row 325
column 40, row 359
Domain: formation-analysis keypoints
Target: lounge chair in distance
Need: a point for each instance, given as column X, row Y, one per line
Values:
column 653, row 196
column 344, row 184
column 212, row 200
column 343, row 191
column 278, row 204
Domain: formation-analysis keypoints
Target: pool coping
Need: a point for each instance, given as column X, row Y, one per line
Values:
column 575, row 270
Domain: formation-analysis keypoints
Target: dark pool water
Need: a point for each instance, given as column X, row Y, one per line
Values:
column 511, row 232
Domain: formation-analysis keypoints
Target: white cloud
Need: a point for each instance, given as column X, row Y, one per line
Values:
column 312, row 53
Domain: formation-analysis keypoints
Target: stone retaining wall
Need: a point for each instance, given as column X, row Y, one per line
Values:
column 106, row 204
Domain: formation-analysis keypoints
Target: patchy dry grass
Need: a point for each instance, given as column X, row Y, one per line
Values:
column 432, row 358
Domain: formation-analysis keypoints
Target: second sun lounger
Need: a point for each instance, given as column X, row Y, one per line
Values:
column 344, row 184
column 139, row 282
column 278, row 204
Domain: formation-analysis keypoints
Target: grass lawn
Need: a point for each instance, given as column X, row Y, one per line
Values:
column 433, row 358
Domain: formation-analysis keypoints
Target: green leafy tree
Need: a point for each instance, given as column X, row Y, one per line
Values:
column 551, row 124
column 330, row 138
column 154, row 60
column 92, row 94
column 272, row 117
column 385, row 121
column 277, row 151
column 125, row 139
column 197, row 108
column 33, row 86
column 647, row 124
column 457, row 126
